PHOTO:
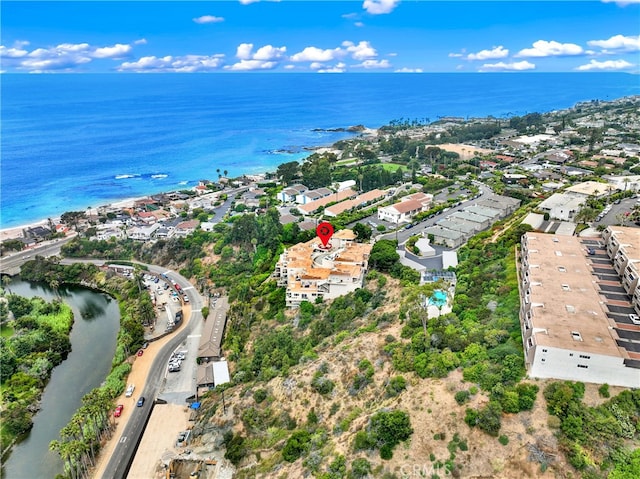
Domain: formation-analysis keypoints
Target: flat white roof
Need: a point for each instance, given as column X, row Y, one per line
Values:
column 221, row 372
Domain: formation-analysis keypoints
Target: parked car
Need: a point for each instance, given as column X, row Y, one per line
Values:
column 130, row 390
column 635, row 319
column 118, row 410
column 140, row 352
column 140, row 401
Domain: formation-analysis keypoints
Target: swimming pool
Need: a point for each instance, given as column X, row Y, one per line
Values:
column 438, row 298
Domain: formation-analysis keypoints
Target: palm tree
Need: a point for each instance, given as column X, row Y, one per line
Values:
column 225, row 173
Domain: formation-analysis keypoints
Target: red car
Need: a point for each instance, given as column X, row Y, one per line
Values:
column 118, row 410
column 141, row 352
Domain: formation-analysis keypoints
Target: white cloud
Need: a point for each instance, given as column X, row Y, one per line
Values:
column 337, row 68
column 358, row 24
column 606, row 65
column 495, row 52
column 180, row 64
column 289, row 67
column 314, row 54
column 455, row 55
column 543, row 48
column 208, row 19
column 269, row 52
column 618, row 43
column 316, row 65
column 243, row 52
column 248, row 65
column 12, row 52
column 265, row 58
column 361, row 51
column 377, row 7
column 502, row 66
column 374, row 64
column 265, row 53
column 409, row 70
column 62, row 57
column 247, row 2
column 142, row 41
column 350, row 16
column 119, row 50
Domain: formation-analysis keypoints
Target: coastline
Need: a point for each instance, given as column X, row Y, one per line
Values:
column 15, row 232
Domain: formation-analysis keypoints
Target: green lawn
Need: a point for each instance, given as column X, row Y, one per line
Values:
column 392, row 166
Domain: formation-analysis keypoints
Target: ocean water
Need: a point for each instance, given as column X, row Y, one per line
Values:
column 69, row 142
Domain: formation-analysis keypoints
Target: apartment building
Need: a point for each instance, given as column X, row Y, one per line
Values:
column 310, row 271
column 623, row 247
column 567, row 329
column 406, row 208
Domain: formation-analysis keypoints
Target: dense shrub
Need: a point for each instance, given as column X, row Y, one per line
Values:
column 296, row 445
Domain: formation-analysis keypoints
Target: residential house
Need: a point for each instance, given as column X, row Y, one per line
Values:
column 445, row 236
column 358, row 201
column 186, row 227
column 313, row 206
column 313, row 195
column 406, row 208
column 562, row 206
column 143, row 233
column 289, row 194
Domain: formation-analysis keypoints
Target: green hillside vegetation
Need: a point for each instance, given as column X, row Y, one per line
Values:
column 38, row 343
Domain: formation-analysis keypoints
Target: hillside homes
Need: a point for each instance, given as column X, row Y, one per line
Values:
column 406, row 208
column 309, row 271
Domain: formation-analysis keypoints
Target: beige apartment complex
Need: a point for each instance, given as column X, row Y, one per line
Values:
column 574, row 314
column 310, row 271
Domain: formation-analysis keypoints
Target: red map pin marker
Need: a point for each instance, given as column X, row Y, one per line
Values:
column 324, row 232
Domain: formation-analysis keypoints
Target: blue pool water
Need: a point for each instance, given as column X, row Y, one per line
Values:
column 438, row 298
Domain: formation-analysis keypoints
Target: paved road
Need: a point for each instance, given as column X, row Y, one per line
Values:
column 404, row 234
column 174, row 388
column 11, row 263
column 125, row 450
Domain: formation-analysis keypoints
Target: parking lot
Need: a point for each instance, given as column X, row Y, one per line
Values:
column 616, row 213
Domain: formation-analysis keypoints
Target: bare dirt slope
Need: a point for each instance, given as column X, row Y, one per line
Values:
column 435, row 418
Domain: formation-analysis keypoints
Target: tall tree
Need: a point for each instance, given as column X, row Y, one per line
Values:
column 287, row 172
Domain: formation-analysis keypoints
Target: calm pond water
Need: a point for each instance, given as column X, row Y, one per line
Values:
column 93, row 342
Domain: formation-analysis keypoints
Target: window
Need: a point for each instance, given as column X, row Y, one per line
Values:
column 570, row 355
column 562, row 269
column 565, row 287
column 544, row 351
column 542, row 360
column 584, row 356
column 583, row 366
column 576, row 336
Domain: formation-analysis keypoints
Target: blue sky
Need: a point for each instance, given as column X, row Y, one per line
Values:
column 319, row 36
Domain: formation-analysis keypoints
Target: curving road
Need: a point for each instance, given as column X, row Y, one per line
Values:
column 126, row 448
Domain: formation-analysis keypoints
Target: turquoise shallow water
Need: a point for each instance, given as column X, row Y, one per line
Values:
column 78, row 140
